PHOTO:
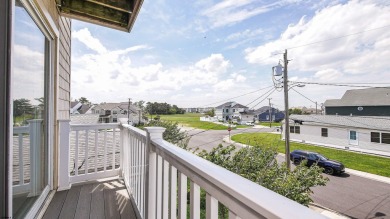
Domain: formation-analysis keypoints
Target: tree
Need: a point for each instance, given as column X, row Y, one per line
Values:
column 210, row 113
column 295, row 111
column 22, row 106
column 258, row 164
column 172, row 133
column 84, row 100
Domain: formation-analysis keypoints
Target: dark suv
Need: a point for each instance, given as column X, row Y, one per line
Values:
column 330, row 166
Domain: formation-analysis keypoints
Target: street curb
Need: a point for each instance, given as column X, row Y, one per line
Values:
column 366, row 175
column 327, row 211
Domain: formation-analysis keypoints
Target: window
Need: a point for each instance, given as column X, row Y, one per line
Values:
column 295, row 129
column 114, row 120
column 234, row 110
column 376, row 137
column 114, row 112
column 386, row 138
column 324, row 132
column 227, row 110
column 352, row 135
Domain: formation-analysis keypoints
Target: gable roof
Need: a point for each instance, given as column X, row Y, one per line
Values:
column 231, row 105
column 362, row 97
column 365, row 122
column 122, row 105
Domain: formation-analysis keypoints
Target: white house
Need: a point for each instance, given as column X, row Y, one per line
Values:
column 113, row 112
column 229, row 110
column 367, row 134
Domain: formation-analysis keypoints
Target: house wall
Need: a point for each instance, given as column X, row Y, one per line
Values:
column 365, row 111
column 338, row 136
column 63, row 77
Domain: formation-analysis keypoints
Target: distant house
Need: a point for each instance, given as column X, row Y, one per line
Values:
column 227, row 111
column 361, row 102
column 360, row 133
column 113, row 112
column 263, row 114
column 247, row 116
column 79, row 108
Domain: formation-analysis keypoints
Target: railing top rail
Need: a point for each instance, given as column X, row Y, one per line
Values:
column 21, row 130
column 78, row 127
column 134, row 129
column 242, row 196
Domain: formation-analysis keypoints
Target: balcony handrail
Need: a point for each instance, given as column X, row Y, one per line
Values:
column 242, row 196
column 82, row 127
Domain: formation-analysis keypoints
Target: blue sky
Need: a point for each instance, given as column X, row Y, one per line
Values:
column 197, row 53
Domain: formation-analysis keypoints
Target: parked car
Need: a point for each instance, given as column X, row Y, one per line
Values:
column 330, row 166
column 250, row 123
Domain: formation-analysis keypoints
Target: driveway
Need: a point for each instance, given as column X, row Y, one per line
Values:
column 351, row 195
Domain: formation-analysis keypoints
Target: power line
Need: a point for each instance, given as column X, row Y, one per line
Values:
column 304, row 96
column 237, row 96
column 260, row 96
column 339, row 85
column 263, row 99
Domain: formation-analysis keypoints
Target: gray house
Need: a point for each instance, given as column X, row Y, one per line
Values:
column 361, row 102
column 113, row 112
column 359, row 133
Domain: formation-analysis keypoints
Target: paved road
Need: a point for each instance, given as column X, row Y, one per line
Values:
column 351, row 195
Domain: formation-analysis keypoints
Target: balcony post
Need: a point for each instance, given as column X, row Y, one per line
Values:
column 36, row 152
column 152, row 133
column 63, row 156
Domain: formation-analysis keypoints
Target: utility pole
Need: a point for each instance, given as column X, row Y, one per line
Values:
column 270, row 115
column 128, row 112
column 287, row 121
column 316, row 108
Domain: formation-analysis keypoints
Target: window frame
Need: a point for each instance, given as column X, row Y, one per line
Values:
column 324, row 132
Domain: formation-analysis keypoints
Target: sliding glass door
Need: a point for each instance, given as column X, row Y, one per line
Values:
column 31, row 67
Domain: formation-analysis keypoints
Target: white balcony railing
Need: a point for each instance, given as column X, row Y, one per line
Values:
column 156, row 174
column 27, row 158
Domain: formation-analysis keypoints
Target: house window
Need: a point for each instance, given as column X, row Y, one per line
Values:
column 114, row 112
column 234, row 110
column 352, row 135
column 227, row 110
column 295, row 129
column 114, row 120
column 376, row 137
column 324, row 132
column 386, row 138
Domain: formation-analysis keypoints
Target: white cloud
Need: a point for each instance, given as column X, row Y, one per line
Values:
column 86, row 38
column 357, row 54
column 213, row 64
column 328, row 74
column 224, row 85
column 240, row 78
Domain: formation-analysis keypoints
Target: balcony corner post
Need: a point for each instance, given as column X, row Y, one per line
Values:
column 152, row 133
column 36, row 149
column 63, row 156
column 121, row 149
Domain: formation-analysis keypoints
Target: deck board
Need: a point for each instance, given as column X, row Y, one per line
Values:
column 84, row 204
column 111, row 211
column 70, row 204
column 54, row 209
column 97, row 202
column 108, row 199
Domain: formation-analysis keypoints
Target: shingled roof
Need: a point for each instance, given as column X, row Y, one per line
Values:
column 362, row 97
column 231, row 105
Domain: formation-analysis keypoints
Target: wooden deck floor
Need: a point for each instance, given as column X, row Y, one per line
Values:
column 107, row 199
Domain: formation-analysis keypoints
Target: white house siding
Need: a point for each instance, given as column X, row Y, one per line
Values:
column 338, row 136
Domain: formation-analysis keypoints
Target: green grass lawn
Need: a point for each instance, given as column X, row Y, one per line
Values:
column 272, row 124
column 363, row 162
column 192, row 120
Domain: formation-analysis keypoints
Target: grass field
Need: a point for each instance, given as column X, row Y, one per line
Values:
column 192, row 120
column 272, row 123
column 363, row 162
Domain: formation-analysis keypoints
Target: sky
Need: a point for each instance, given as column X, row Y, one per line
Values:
column 206, row 52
